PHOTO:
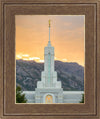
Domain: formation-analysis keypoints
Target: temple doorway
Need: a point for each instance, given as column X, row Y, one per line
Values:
column 49, row 99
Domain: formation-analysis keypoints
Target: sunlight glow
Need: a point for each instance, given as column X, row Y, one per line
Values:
column 28, row 57
column 67, row 36
column 64, row 60
column 25, row 55
column 41, row 60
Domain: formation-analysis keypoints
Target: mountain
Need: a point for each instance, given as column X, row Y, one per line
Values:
column 29, row 72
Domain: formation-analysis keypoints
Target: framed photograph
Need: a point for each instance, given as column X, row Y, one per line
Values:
column 49, row 59
column 50, row 65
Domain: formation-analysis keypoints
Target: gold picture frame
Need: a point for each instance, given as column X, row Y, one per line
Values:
column 91, row 108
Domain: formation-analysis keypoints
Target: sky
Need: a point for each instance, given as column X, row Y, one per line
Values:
column 67, row 35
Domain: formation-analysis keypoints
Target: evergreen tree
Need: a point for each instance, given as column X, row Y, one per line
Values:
column 20, row 98
column 82, row 101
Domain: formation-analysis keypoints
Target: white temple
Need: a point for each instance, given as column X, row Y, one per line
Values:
column 49, row 90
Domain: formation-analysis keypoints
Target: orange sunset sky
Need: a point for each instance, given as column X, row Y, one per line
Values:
column 67, row 37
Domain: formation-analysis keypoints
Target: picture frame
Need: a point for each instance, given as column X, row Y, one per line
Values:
column 91, row 108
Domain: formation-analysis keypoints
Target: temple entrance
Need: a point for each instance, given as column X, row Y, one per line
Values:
column 49, row 99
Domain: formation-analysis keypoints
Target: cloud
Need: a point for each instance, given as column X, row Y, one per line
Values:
column 35, row 58
column 28, row 57
column 25, row 55
column 41, row 60
column 64, row 60
column 18, row 56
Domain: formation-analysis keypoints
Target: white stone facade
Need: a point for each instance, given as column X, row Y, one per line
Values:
column 49, row 76
column 49, row 84
column 41, row 93
column 68, row 96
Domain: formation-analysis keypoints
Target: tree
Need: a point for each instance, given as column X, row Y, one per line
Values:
column 20, row 98
column 82, row 100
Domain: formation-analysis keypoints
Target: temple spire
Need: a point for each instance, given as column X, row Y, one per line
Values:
column 49, row 42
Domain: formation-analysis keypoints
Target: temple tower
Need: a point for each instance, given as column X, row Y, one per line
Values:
column 48, row 84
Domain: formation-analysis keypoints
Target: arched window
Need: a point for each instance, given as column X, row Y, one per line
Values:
column 49, row 99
